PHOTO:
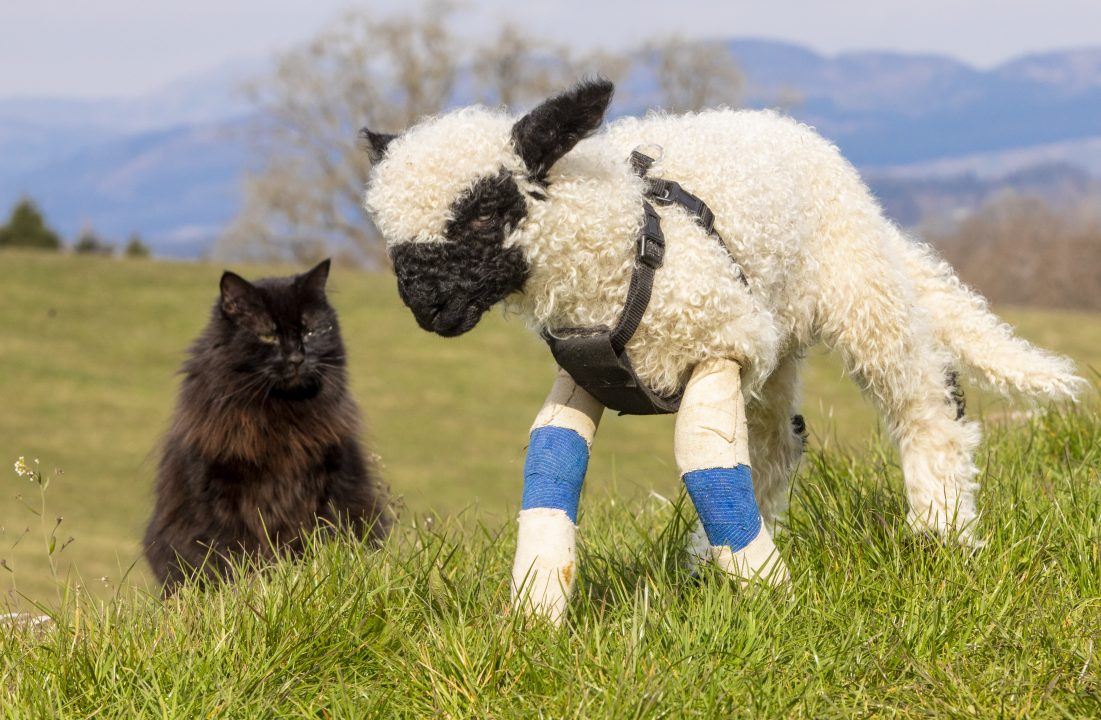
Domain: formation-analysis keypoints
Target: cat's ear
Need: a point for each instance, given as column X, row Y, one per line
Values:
column 314, row 280
column 237, row 293
column 551, row 130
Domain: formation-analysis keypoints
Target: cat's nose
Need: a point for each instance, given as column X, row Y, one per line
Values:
column 296, row 358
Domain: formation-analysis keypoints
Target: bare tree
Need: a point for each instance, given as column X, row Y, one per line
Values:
column 514, row 68
column 304, row 197
column 597, row 63
column 696, row 75
column 1020, row 250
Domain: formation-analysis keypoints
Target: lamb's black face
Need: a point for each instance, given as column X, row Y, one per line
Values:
column 449, row 285
column 449, row 254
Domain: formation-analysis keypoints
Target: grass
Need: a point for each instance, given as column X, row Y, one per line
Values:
column 875, row 622
column 89, row 348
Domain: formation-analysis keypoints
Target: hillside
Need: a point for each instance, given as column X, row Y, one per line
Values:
column 875, row 622
column 89, row 348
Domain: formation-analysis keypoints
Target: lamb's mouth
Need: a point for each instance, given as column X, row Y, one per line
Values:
column 449, row 288
column 453, row 318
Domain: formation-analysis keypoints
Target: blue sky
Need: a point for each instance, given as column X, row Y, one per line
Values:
column 96, row 48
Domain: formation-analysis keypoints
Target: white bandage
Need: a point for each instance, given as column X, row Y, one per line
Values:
column 711, row 446
column 569, row 406
column 545, row 569
column 711, row 430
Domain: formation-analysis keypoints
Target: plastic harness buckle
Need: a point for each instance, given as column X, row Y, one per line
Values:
column 651, row 240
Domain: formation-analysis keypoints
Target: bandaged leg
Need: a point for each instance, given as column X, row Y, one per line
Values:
column 545, row 569
column 712, row 450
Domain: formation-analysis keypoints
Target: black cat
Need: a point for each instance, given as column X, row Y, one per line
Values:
column 264, row 444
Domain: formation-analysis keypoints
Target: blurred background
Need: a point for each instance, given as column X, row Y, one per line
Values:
column 145, row 146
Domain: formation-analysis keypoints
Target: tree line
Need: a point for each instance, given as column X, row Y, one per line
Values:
column 1019, row 249
column 26, row 227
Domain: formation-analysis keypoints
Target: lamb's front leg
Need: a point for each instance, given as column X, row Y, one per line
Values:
column 712, row 451
column 545, row 569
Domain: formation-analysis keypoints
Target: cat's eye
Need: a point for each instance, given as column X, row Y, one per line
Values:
column 267, row 338
column 314, row 331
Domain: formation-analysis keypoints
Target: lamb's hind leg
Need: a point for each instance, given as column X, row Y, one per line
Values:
column 776, row 439
column 712, row 452
column 545, row 568
column 869, row 314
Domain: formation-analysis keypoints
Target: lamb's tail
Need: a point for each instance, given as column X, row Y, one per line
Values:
column 986, row 346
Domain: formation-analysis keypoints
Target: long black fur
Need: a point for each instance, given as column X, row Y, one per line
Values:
column 264, row 445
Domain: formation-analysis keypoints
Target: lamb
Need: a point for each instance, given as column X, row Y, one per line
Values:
column 543, row 214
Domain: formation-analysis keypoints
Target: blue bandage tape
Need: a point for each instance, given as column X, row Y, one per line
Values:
column 727, row 508
column 555, row 469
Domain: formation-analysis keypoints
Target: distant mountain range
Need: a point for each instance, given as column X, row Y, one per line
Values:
column 894, row 109
column 168, row 165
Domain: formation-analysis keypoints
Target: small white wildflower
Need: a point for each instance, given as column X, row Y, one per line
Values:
column 21, row 468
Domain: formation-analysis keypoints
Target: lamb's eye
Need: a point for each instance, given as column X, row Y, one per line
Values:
column 483, row 221
column 267, row 338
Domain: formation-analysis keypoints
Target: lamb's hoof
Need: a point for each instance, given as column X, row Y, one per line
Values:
column 758, row 562
column 698, row 549
column 937, row 527
column 24, row 620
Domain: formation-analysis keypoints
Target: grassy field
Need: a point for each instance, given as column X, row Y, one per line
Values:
column 875, row 622
column 89, row 348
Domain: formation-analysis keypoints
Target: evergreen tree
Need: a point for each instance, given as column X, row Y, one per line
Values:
column 135, row 247
column 91, row 244
column 27, row 228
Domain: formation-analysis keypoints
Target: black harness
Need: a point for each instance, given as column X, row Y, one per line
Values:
column 596, row 357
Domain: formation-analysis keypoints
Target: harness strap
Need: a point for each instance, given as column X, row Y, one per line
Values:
column 596, row 357
column 649, row 255
column 669, row 192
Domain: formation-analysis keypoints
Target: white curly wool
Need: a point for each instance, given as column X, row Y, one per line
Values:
column 822, row 262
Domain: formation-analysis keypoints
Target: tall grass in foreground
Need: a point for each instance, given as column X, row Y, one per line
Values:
column 875, row 622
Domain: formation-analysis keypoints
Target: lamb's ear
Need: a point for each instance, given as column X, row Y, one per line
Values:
column 375, row 143
column 314, row 280
column 551, row 130
column 237, row 293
